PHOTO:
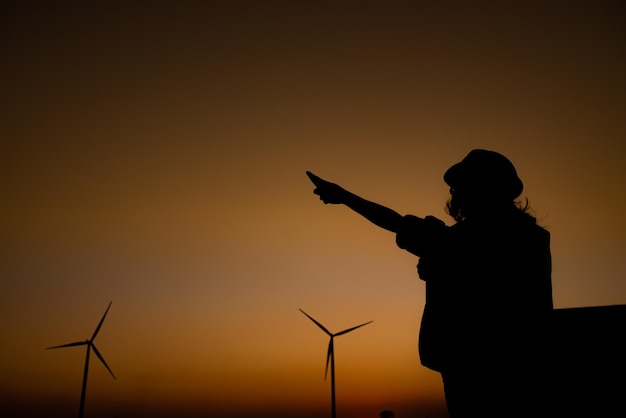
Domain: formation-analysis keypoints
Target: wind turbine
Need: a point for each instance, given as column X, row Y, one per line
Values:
column 330, row 356
column 90, row 345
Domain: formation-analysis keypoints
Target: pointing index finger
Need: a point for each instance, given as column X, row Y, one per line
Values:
column 316, row 180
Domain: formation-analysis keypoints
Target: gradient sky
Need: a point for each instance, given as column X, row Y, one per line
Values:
column 154, row 154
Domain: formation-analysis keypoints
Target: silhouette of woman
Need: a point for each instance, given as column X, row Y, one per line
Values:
column 488, row 288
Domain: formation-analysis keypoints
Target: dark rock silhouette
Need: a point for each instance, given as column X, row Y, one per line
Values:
column 589, row 361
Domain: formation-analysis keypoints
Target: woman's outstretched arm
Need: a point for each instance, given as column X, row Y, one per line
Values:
column 379, row 215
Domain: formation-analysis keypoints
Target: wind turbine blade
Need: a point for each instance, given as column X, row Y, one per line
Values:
column 101, row 321
column 329, row 355
column 352, row 329
column 317, row 323
column 68, row 345
column 95, row 350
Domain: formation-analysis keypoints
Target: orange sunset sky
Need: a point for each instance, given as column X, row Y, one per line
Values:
column 154, row 155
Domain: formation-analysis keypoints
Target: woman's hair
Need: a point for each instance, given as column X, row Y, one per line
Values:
column 464, row 208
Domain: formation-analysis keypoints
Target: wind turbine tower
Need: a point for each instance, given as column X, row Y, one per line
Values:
column 330, row 357
column 90, row 346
